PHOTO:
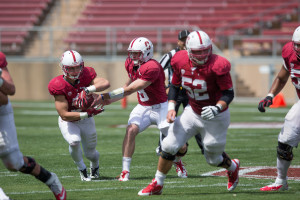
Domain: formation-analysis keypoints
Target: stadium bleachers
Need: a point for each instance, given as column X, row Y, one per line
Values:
column 217, row 18
column 17, row 17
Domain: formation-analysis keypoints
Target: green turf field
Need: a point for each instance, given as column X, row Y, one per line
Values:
column 39, row 137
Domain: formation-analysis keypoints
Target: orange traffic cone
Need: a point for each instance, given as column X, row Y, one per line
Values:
column 124, row 103
column 278, row 101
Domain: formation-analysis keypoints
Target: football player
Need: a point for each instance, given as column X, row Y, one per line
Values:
column 74, row 102
column 289, row 135
column 10, row 153
column 146, row 77
column 182, row 95
column 206, row 77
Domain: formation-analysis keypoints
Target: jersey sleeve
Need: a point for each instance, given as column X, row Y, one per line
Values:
column 286, row 53
column 92, row 73
column 3, row 62
column 222, row 70
column 56, row 87
column 177, row 60
column 221, row 67
column 151, row 73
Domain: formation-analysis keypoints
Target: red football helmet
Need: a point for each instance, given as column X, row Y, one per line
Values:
column 72, row 64
column 199, row 47
column 296, row 41
column 140, row 50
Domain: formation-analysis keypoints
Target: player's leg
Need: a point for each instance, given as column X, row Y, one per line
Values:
column 89, row 143
column 15, row 161
column 214, row 140
column 176, row 138
column 287, row 139
column 138, row 121
column 71, row 133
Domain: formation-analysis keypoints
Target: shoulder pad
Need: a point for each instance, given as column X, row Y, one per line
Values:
column 221, row 65
column 287, row 50
column 56, row 86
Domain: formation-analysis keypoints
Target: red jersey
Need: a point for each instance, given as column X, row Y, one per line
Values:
column 204, row 85
column 59, row 86
column 151, row 71
column 3, row 62
column 292, row 64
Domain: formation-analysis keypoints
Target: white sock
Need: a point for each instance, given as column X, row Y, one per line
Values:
column 160, row 177
column 94, row 165
column 126, row 163
column 282, row 168
column 232, row 167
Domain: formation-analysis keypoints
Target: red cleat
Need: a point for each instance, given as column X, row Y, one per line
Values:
column 151, row 189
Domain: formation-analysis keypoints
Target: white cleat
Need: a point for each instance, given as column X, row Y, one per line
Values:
column 84, row 176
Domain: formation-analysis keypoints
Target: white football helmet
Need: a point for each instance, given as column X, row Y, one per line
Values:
column 69, row 60
column 140, row 50
column 296, row 41
column 199, row 47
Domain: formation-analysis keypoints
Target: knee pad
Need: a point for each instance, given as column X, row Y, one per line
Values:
column 167, row 156
column 183, row 154
column 226, row 161
column 74, row 144
column 29, row 166
column 213, row 159
column 285, row 151
column 13, row 161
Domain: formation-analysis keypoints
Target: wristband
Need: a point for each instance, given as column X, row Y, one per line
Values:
column 91, row 88
column 117, row 93
column 219, row 106
column 83, row 115
column 171, row 106
column 1, row 82
column 270, row 95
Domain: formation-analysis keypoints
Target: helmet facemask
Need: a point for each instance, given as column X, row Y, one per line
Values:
column 200, row 56
column 296, row 46
column 68, row 70
column 136, row 56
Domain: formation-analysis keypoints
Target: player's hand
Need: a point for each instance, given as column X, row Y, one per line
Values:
column 209, row 112
column 171, row 116
column 95, row 110
column 266, row 102
column 83, row 100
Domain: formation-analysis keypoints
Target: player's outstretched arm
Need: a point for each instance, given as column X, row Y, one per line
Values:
column 119, row 93
column 278, row 84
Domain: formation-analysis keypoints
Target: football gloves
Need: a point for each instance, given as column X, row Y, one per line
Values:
column 95, row 111
column 266, row 102
column 209, row 112
column 83, row 100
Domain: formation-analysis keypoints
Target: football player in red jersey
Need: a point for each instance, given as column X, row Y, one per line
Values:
column 206, row 77
column 289, row 135
column 73, row 95
column 146, row 77
column 10, row 153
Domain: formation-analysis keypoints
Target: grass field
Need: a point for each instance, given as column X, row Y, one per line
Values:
column 39, row 137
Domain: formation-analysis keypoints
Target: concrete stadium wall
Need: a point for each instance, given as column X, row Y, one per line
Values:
column 31, row 79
